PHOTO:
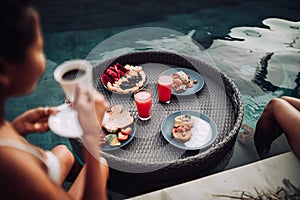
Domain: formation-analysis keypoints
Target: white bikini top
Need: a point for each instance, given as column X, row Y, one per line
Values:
column 50, row 161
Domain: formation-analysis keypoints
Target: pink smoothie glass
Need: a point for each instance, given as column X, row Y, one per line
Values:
column 143, row 101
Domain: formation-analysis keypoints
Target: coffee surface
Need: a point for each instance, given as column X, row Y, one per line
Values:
column 73, row 74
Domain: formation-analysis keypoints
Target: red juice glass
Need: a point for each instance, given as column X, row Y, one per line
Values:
column 143, row 101
column 165, row 88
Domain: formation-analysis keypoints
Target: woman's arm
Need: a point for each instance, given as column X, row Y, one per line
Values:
column 91, row 182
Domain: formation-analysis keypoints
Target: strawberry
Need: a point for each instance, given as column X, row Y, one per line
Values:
column 120, row 72
column 113, row 69
column 126, row 131
column 122, row 68
column 118, row 65
column 116, row 69
column 122, row 137
column 112, row 74
column 105, row 79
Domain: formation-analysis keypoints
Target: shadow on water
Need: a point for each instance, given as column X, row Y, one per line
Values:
column 77, row 14
column 261, row 79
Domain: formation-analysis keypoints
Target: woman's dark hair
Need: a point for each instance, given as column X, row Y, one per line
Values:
column 17, row 29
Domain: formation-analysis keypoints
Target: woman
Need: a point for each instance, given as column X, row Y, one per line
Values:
column 26, row 171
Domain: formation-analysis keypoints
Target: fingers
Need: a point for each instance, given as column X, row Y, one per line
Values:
column 40, row 127
column 100, row 99
column 102, row 137
column 36, row 127
column 76, row 96
column 84, row 95
column 52, row 111
column 38, row 122
column 81, row 96
column 42, row 112
column 102, row 141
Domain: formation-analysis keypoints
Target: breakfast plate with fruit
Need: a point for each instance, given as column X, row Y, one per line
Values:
column 119, row 127
column 119, row 139
column 123, row 79
column 185, row 81
column 189, row 130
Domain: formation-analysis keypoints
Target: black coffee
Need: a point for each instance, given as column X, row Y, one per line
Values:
column 73, row 74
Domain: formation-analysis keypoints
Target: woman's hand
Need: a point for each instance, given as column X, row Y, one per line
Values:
column 91, row 106
column 34, row 120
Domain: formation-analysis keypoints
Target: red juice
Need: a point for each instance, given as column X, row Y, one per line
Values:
column 165, row 88
column 143, row 100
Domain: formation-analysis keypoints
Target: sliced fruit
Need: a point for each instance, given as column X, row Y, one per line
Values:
column 110, row 138
column 113, row 68
column 115, row 142
column 112, row 74
column 122, row 137
column 121, row 67
column 126, row 131
column 105, row 79
column 120, row 72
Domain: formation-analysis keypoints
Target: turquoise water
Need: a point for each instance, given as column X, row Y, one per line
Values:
column 236, row 35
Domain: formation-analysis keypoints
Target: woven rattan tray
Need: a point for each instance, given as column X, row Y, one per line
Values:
column 149, row 162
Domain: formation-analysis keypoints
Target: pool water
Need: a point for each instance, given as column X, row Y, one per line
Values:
column 255, row 43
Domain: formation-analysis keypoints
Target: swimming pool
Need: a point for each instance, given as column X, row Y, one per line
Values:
column 255, row 43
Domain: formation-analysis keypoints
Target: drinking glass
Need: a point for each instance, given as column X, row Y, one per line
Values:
column 165, row 88
column 143, row 101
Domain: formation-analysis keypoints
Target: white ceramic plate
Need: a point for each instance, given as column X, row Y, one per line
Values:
column 204, row 132
column 193, row 76
column 65, row 122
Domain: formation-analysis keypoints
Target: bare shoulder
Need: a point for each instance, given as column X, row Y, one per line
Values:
column 22, row 177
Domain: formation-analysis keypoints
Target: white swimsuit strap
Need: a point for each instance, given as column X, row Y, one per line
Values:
column 53, row 165
column 22, row 147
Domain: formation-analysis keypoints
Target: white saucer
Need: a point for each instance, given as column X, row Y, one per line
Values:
column 65, row 123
